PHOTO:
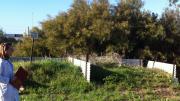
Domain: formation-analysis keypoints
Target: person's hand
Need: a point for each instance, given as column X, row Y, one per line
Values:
column 15, row 82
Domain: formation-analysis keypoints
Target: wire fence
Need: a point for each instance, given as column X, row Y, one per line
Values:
column 28, row 59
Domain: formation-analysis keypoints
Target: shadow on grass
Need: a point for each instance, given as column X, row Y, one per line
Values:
column 108, row 65
column 98, row 74
column 178, row 72
column 34, row 84
column 31, row 84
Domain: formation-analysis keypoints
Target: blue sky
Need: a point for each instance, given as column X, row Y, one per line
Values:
column 17, row 15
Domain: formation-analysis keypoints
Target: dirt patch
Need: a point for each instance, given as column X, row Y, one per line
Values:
column 164, row 92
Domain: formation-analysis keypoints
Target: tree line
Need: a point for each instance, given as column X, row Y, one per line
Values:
column 97, row 27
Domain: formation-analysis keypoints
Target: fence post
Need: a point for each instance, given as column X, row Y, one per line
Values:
column 89, row 72
column 153, row 64
column 174, row 71
column 32, row 49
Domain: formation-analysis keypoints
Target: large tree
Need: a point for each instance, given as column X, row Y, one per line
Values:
column 170, row 21
column 126, row 16
column 54, row 34
column 76, row 25
column 101, row 26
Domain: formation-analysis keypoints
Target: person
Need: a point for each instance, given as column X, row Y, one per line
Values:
column 8, row 91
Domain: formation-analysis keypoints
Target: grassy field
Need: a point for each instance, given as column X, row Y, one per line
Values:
column 61, row 81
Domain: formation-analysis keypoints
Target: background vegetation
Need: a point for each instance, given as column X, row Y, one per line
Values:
column 99, row 28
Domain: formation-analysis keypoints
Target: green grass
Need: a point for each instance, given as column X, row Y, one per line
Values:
column 61, row 81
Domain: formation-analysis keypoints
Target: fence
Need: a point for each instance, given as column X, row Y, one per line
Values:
column 84, row 67
column 76, row 62
column 24, row 59
column 117, row 60
column 132, row 62
column 169, row 68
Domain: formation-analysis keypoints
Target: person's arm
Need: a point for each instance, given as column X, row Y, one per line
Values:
column 4, row 77
column 4, row 73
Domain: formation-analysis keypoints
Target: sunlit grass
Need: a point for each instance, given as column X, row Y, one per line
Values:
column 59, row 81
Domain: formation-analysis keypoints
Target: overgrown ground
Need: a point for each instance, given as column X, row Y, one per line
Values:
column 59, row 81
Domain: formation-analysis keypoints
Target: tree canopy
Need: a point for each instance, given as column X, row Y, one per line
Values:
column 99, row 27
